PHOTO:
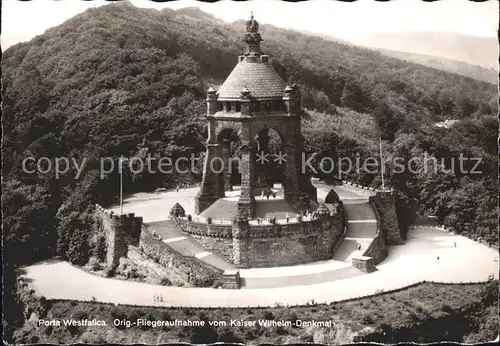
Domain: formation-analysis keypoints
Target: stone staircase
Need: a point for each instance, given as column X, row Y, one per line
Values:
column 361, row 229
column 186, row 245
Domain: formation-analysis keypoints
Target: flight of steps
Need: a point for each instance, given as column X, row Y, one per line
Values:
column 186, row 245
column 361, row 229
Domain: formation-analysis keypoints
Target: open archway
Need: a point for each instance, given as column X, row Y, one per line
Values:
column 270, row 159
column 230, row 141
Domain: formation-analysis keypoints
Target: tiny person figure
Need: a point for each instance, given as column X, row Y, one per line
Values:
column 438, row 259
column 287, row 218
column 177, row 188
column 455, row 244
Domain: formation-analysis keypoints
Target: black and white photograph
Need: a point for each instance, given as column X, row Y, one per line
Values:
column 250, row 172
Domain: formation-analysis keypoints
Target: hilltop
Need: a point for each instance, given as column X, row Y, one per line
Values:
column 119, row 80
column 473, row 50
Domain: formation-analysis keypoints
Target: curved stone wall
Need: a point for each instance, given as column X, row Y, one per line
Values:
column 214, row 237
column 191, row 269
column 268, row 245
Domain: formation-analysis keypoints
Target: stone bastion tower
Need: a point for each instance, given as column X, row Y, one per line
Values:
column 253, row 100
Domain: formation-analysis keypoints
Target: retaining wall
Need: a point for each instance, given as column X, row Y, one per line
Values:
column 189, row 268
column 214, row 237
column 268, row 245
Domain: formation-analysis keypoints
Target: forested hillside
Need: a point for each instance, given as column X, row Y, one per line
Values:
column 119, row 80
column 454, row 66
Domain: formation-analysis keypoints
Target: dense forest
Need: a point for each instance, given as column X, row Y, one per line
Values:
column 119, row 80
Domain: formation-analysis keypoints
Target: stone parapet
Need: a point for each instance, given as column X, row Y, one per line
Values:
column 377, row 249
column 268, row 245
column 230, row 279
column 383, row 203
column 364, row 263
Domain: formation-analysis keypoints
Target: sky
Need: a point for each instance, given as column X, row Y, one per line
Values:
column 21, row 21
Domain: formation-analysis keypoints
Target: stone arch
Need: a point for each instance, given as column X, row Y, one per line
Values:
column 269, row 144
column 278, row 126
column 223, row 126
column 228, row 136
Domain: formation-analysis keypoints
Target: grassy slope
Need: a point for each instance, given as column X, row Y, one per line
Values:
column 451, row 312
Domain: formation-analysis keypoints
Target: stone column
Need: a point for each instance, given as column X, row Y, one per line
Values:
column 240, row 234
column 263, row 168
column 291, row 173
column 246, row 203
column 306, row 186
column 226, row 151
column 384, row 203
column 212, row 187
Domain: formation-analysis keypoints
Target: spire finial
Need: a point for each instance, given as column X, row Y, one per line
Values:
column 252, row 37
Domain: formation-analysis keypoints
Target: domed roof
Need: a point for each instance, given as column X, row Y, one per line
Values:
column 253, row 72
column 257, row 75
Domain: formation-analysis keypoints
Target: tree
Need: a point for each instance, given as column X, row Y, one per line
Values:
column 353, row 97
column 388, row 122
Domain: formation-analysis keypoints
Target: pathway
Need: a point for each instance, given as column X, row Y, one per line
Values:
column 332, row 280
column 405, row 265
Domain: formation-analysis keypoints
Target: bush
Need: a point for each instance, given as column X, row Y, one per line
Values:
column 165, row 282
column 99, row 248
column 268, row 315
column 446, row 308
column 110, row 271
column 367, row 319
column 203, row 335
column 94, row 264
column 227, row 335
column 413, row 316
column 81, row 315
column 490, row 293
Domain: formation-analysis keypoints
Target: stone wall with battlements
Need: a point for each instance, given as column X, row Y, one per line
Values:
column 120, row 232
column 269, row 245
column 383, row 202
